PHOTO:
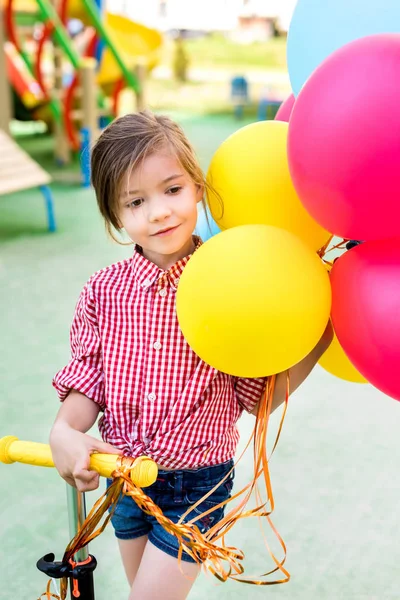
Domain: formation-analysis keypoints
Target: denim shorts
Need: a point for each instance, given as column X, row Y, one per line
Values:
column 174, row 492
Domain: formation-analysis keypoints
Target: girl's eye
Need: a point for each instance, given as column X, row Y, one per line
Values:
column 175, row 189
column 136, row 203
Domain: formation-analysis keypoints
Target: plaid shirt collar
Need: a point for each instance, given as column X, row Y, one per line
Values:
column 147, row 274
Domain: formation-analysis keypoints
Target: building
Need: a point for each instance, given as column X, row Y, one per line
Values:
column 249, row 19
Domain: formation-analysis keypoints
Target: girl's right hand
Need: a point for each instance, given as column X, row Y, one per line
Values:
column 71, row 452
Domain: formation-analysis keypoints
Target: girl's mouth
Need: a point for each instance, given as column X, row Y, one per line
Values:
column 165, row 231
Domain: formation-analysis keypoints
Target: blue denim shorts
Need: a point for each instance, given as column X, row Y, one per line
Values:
column 174, row 492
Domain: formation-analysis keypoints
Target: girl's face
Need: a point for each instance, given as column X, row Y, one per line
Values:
column 158, row 209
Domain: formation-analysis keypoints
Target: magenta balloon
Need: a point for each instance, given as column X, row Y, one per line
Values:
column 285, row 109
column 366, row 311
column 344, row 140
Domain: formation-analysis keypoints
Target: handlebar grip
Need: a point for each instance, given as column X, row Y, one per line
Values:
column 143, row 472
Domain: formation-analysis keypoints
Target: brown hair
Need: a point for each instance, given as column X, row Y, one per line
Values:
column 122, row 147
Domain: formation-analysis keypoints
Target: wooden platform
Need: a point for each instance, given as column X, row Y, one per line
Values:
column 18, row 171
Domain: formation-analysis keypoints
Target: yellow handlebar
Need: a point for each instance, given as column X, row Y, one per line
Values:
column 143, row 473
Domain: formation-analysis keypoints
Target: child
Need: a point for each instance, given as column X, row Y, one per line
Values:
column 131, row 362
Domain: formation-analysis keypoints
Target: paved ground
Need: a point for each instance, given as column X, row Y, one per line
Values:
column 335, row 473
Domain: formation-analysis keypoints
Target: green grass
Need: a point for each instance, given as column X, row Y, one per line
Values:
column 218, row 51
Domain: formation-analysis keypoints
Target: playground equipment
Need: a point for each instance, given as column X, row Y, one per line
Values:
column 79, row 569
column 239, row 94
column 268, row 105
column 18, row 171
column 73, row 89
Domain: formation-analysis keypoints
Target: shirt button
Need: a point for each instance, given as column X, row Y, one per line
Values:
column 157, row 346
column 147, row 282
column 151, row 397
column 176, row 281
column 163, row 292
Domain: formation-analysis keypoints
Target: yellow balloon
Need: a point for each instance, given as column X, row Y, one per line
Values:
column 335, row 361
column 253, row 301
column 250, row 173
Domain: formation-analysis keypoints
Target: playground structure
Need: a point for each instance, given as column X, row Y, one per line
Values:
column 72, row 82
column 18, row 171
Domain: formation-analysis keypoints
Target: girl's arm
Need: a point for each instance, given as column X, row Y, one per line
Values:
column 301, row 371
column 71, row 447
column 78, row 412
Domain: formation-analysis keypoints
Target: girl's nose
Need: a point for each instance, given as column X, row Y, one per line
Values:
column 159, row 210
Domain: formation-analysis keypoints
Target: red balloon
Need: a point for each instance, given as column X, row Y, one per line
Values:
column 344, row 140
column 366, row 311
column 285, row 109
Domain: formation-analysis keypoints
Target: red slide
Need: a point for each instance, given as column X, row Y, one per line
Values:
column 21, row 80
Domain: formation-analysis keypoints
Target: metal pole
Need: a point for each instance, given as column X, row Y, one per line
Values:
column 89, row 100
column 140, row 73
column 48, row 198
column 96, row 20
column 100, row 44
column 60, row 33
column 85, row 156
column 76, row 503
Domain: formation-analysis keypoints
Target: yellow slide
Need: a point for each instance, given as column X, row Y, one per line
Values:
column 137, row 44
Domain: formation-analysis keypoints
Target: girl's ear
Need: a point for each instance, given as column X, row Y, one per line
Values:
column 199, row 193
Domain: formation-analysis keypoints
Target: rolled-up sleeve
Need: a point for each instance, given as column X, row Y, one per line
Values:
column 249, row 391
column 84, row 372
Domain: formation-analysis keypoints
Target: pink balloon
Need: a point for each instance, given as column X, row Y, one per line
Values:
column 344, row 140
column 285, row 109
column 366, row 311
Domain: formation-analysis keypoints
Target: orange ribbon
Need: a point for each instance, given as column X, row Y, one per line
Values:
column 326, row 249
column 224, row 562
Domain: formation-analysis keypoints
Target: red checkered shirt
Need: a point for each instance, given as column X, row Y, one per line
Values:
column 130, row 357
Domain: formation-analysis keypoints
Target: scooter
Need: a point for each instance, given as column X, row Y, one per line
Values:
column 78, row 571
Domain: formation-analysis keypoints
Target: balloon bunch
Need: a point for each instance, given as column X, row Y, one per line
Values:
column 344, row 159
